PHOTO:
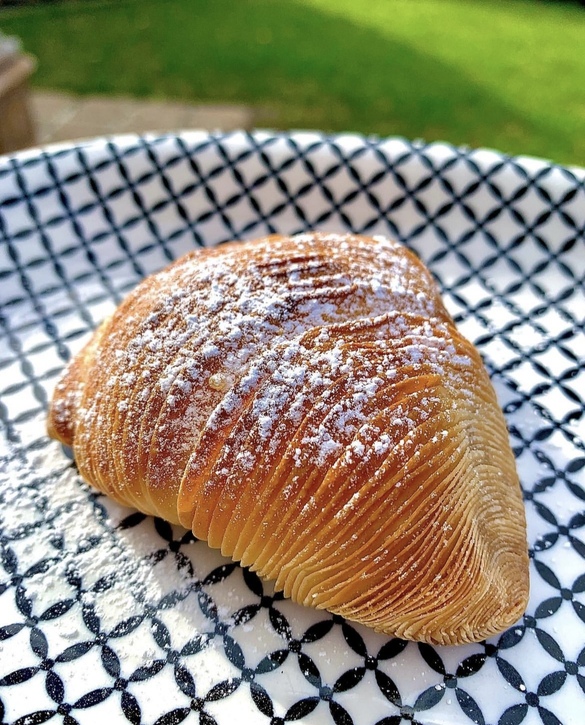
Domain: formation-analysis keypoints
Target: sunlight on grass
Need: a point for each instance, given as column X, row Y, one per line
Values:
column 509, row 75
column 528, row 54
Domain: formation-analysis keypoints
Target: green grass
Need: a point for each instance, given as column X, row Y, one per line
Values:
column 508, row 74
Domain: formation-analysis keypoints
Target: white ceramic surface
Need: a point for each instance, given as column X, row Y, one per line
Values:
column 110, row 616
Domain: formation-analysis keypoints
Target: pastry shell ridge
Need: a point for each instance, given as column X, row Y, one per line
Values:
column 307, row 405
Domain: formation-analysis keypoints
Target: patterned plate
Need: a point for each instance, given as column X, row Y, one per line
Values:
column 107, row 615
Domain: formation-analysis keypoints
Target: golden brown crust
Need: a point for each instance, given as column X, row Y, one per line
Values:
column 307, row 405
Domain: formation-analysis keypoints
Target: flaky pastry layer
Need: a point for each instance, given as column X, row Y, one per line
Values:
column 307, row 405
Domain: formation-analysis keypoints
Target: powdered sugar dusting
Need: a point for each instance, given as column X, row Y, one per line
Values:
column 281, row 328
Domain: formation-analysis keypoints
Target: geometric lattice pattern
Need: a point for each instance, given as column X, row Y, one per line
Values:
column 107, row 615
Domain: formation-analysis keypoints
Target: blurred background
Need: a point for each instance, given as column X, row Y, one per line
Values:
column 503, row 74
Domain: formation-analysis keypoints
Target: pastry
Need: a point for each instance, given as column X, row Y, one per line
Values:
column 307, row 405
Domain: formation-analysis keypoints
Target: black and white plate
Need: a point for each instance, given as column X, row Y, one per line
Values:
column 110, row 616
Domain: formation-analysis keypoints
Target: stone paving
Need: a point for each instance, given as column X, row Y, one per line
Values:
column 63, row 117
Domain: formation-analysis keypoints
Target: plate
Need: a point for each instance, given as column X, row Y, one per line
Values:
column 107, row 615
